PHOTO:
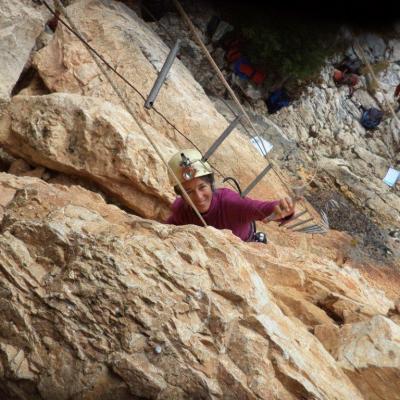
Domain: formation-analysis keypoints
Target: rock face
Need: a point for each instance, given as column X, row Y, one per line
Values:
column 324, row 120
column 91, row 138
column 104, row 306
column 97, row 303
column 21, row 23
column 120, row 36
column 369, row 354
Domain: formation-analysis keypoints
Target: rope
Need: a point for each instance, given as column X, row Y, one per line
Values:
column 371, row 71
column 60, row 7
column 262, row 149
column 173, row 126
column 220, row 75
column 232, row 93
column 93, row 52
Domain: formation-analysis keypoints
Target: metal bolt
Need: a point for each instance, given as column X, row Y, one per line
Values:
column 158, row 349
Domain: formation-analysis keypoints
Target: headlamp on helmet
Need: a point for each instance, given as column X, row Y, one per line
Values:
column 187, row 165
column 187, row 171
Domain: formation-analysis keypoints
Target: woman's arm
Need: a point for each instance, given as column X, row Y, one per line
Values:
column 246, row 210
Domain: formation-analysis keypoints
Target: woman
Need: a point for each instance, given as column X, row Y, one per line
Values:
column 220, row 208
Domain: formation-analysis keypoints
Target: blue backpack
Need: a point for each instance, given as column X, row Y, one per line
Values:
column 277, row 100
column 371, row 118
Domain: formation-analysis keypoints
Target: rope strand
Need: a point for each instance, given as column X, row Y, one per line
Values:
column 93, row 52
column 172, row 125
column 235, row 99
column 128, row 108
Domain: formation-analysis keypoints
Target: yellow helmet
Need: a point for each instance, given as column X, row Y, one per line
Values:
column 187, row 164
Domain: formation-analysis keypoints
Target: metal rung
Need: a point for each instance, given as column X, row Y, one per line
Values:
column 293, row 218
column 318, row 232
column 311, row 229
column 162, row 75
column 221, row 138
column 300, row 223
column 254, row 183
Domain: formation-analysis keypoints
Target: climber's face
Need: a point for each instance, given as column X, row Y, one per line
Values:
column 200, row 192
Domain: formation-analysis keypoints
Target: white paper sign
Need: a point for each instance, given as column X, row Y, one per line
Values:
column 262, row 145
column 391, row 177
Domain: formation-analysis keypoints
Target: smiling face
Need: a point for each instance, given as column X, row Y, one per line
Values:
column 200, row 192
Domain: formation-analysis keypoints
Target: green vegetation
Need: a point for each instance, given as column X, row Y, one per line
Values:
column 285, row 45
column 288, row 48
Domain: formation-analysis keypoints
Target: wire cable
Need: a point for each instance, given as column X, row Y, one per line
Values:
column 91, row 48
column 128, row 108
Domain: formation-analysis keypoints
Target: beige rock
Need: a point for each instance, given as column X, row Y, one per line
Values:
column 35, row 87
column 108, row 302
column 369, row 353
column 339, row 291
column 295, row 304
column 36, row 172
column 328, row 335
column 93, row 139
column 22, row 21
column 138, row 54
column 19, row 167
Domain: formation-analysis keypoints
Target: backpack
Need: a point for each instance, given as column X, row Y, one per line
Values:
column 245, row 70
column 397, row 91
column 277, row 100
column 350, row 79
column 371, row 118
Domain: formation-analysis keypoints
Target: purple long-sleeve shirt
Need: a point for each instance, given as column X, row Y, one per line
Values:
column 227, row 211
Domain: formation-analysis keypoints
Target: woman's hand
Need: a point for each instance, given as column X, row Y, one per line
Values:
column 283, row 209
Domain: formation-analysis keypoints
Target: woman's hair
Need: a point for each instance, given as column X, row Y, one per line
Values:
column 206, row 178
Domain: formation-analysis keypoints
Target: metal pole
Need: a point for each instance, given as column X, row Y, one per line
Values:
column 162, row 75
column 299, row 223
column 254, row 183
column 293, row 218
column 311, row 229
column 222, row 137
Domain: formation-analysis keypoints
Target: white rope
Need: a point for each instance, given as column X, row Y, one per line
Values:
column 236, row 100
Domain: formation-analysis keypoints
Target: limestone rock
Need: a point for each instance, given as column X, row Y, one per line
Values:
column 374, row 47
column 19, row 167
column 21, row 23
column 94, row 139
column 364, row 190
column 369, row 353
column 339, row 138
column 95, row 303
column 138, row 53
